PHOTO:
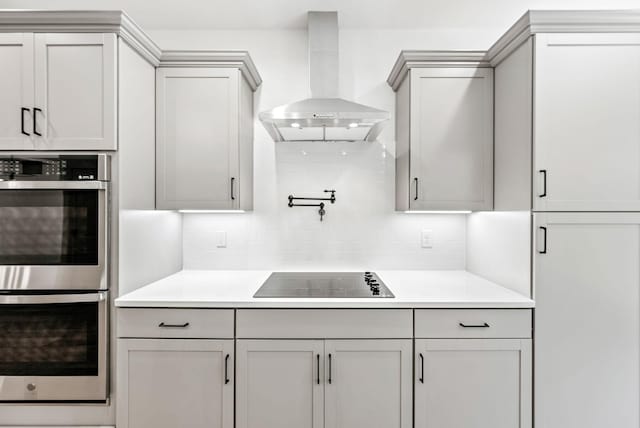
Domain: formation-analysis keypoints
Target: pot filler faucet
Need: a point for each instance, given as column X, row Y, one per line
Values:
column 321, row 205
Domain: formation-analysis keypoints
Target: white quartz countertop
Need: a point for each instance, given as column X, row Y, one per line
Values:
column 235, row 289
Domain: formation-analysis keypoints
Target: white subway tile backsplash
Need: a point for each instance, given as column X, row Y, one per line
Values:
column 361, row 230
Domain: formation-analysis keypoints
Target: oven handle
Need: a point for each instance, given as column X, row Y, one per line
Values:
column 83, row 185
column 23, row 299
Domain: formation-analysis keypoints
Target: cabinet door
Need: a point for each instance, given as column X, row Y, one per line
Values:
column 197, row 138
column 451, row 160
column 16, row 87
column 587, row 320
column 368, row 383
column 75, row 90
column 280, row 384
column 168, row 383
column 586, row 136
column 473, row 383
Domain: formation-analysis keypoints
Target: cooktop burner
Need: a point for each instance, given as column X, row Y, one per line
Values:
column 323, row 285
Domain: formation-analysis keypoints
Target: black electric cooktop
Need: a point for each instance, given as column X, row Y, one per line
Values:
column 324, row 285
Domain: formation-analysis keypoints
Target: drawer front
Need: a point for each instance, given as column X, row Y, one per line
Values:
column 324, row 323
column 175, row 323
column 472, row 323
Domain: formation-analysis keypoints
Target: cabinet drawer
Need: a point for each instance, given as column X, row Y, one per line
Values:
column 324, row 323
column 175, row 323
column 473, row 323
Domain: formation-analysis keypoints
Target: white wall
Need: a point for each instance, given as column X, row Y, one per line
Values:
column 499, row 248
column 361, row 230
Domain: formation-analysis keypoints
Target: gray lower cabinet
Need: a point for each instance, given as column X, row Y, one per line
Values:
column 169, row 383
column 324, row 383
column 473, row 383
column 473, row 368
column 280, row 383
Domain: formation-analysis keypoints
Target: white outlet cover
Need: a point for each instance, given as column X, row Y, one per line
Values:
column 221, row 239
column 426, row 238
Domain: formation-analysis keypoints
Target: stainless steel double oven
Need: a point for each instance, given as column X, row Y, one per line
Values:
column 54, row 276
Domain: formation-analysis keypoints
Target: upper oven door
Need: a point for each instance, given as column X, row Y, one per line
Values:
column 53, row 235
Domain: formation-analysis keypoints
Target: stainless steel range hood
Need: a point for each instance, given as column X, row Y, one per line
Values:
column 324, row 116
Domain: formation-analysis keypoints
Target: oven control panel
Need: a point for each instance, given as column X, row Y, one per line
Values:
column 52, row 168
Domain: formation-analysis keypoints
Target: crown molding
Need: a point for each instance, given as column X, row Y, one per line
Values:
column 563, row 21
column 118, row 22
column 409, row 59
column 81, row 21
column 208, row 58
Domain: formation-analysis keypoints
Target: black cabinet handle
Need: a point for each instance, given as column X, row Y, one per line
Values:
column 483, row 325
column 421, row 379
column 416, row 181
column 22, row 121
column 329, row 368
column 163, row 325
column 544, row 248
column 544, row 183
column 233, row 179
column 35, row 121
column 226, row 369
column 318, row 369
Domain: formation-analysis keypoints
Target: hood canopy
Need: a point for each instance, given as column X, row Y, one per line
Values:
column 324, row 117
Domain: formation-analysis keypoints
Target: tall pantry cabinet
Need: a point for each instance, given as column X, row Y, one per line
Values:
column 567, row 148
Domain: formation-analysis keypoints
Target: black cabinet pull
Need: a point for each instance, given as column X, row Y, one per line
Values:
column 421, row 379
column 416, row 181
column 22, row 121
column 329, row 368
column 544, row 183
column 233, row 179
column 163, row 325
column 483, row 325
column 35, row 121
column 544, row 248
column 318, row 369
column 226, row 369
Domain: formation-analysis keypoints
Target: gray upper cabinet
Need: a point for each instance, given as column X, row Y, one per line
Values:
column 444, row 131
column 204, row 140
column 567, row 109
column 42, row 77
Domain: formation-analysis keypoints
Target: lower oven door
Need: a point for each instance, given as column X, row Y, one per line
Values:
column 53, row 347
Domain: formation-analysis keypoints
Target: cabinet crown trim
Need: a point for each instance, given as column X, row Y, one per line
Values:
column 409, row 59
column 562, row 21
column 213, row 58
column 118, row 22
column 82, row 21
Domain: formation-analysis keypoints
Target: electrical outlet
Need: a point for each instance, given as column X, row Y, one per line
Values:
column 221, row 239
column 426, row 238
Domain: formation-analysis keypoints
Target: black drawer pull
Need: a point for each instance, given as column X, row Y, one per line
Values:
column 544, row 248
column 22, row 120
column 318, row 369
column 163, row 325
column 35, row 121
column 233, row 180
column 544, row 183
column 226, row 369
column 484, row 325
column 421, row 379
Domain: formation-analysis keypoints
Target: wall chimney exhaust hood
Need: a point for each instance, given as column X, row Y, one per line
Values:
column 324, row 116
